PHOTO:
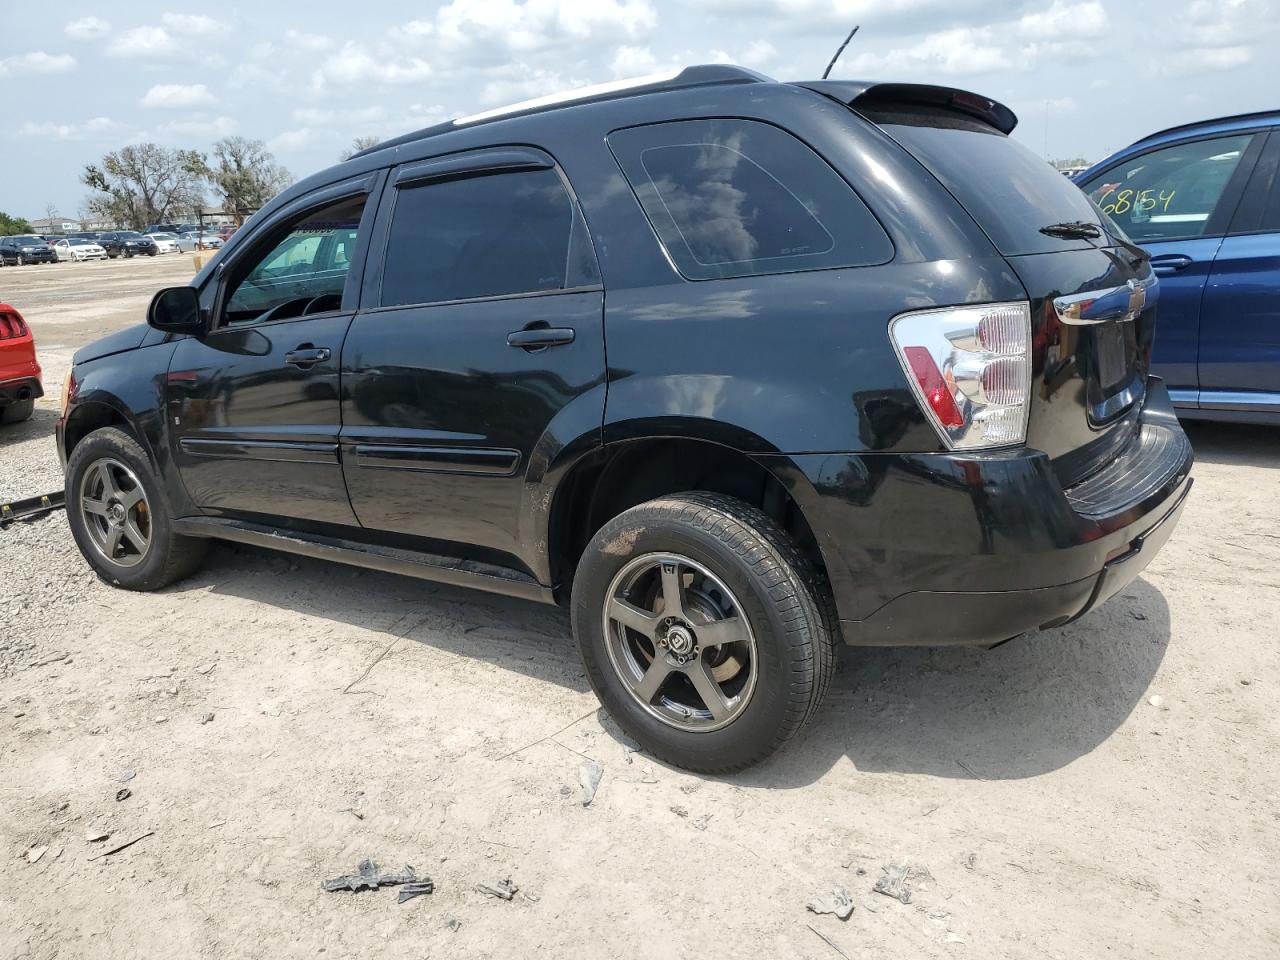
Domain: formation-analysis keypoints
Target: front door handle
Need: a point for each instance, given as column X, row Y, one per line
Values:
column 1168, row 263
column 305, row 355
column 539, row 338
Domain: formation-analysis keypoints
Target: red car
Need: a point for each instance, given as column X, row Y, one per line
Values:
column 19, row 371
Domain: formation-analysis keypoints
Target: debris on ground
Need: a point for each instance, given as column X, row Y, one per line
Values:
column 453, row 923
column 127, row 776
column 369, row 876
column 1156, row 700
column 95, row 836
column 353, row 811
column 207, row 718
column 589, row 776
column 418, row 889
column 828, row 941
column 503, row 889
column 124, row 793
column 837, row 902
column 125, row 845
column 680, row 812
column 700, row 822
column 35, row 853
column 900, row 880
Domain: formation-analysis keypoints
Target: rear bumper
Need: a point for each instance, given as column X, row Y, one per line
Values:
column 928, row 549
column 20, row 389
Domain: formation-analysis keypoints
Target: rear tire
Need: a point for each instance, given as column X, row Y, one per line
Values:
column 120, row 518
column 17, row 411
column 747, row 600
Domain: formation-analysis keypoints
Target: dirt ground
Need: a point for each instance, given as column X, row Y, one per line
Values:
column 1108, row 789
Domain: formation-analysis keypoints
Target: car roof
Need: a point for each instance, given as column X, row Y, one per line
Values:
column 1229, row 124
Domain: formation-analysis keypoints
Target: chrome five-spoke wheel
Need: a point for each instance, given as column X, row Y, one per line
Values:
column 115, row 512
column 678, row 640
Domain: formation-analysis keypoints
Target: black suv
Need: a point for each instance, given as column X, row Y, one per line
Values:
column 735, row 369
column 27, row 248
column 127, row 243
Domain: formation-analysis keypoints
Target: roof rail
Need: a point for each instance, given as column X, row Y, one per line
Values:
column 1257, row 115
column 695, row 76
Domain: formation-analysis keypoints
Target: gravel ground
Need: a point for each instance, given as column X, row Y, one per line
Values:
column 1104, row 789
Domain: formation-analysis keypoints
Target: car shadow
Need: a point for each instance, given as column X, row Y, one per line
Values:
column 1025, row 708
column 41, row 424
column 1234, row 444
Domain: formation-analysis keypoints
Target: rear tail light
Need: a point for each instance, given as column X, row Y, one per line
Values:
column 11, row 325
column 970, row 369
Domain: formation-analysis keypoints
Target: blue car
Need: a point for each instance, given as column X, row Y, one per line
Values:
column 1204, row 200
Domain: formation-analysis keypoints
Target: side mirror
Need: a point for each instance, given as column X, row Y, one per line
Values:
column 176, row 310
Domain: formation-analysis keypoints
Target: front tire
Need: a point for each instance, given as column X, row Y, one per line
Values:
column 703, row 630
column 119, row 516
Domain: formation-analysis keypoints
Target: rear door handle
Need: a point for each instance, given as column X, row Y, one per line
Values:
column 304, row 355
column 1168, row 263
column 539, row 338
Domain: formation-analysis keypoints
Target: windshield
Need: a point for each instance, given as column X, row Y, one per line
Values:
column 1011, row 193
column 77, row 242
column 25, row 239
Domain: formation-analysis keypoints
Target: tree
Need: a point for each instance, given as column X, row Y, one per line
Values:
column 359, row 144
column 245, row 175
column 145, row 183
column 12, row 225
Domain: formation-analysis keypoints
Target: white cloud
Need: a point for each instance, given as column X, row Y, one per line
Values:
column 514, row 27
column 194, row 24
column 87, row 27
column 633, row 62
column 313, row 42
column 171, row 96
column 197, row 128
column 37, row 61
column 292, row 140
column 1065, row 21
column 962, row 51
column 355, row 64
column 143, row 42
column 97, row 126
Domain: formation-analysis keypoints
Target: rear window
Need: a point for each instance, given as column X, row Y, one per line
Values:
column 737, row 198
column 1007, row 189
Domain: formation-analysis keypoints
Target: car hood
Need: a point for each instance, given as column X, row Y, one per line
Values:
column 130, row 338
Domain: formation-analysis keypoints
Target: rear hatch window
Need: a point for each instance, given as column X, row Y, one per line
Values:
column 1007, row 189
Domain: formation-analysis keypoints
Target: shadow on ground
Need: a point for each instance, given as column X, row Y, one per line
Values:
column 40, row 424
column 1234, row 444
column 1025, row 708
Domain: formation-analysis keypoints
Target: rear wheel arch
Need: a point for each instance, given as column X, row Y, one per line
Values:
column 602, row 485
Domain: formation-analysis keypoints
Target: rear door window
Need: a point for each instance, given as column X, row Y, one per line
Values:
column 737, row 198
column 1171, row 193
column 488, row 235
column 1011, row 193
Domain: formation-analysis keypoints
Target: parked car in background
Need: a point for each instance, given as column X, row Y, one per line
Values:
column 914, row 412
column 1204, row 200
column 127, row 243
column 20, row 384
column 87, row 235
column 193, row 241
column 165, row 242
column 77, row 248
column 162, row 228
column 226, row 233
column 26, row 248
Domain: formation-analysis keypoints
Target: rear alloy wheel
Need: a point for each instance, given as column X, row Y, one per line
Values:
column 119, row 516
column 704, row 630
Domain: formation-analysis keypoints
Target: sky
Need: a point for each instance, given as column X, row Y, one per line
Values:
column 1085, row 77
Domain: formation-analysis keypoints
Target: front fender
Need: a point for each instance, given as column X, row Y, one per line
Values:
column 132, row 386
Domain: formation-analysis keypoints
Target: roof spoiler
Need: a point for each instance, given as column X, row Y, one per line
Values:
column 868, row 94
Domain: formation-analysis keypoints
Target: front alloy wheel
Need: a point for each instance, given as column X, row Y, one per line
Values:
column 115, row 512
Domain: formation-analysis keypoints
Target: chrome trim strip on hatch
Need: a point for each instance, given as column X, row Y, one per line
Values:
column 1118, row 304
